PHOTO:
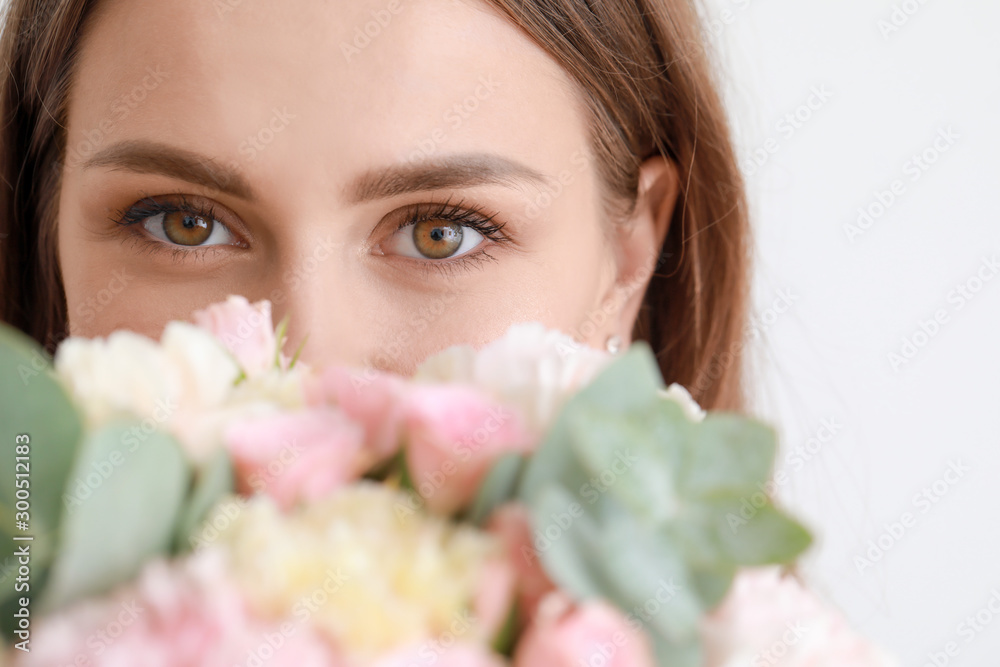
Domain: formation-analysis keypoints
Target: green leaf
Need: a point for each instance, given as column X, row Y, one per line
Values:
column 724, row 533
column 627, row 385
column 33, row 403
column 499, row 486
column 213, row 481
column 125, row 504
column 626, row 491
column 564, row 537
column 726, row 452
column 649, row 574
column 621, row 457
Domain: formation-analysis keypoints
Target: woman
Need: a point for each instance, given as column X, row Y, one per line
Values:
column 395, row 176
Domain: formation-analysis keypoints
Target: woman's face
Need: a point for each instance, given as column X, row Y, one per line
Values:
column 397, row 176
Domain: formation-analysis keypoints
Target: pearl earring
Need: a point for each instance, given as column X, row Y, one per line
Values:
column 614, row 344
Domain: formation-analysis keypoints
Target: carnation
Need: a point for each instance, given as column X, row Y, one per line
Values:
column 175, row 615
column 770, row 617
column 369, row 571
column 531, row 368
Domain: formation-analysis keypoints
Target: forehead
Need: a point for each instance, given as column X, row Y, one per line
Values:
column 335, row 83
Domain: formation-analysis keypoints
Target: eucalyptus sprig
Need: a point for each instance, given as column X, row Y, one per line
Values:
column 635, row 502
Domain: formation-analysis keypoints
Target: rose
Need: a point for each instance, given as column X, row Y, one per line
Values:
column 296, row 456
column 374, row 400
column 454, row 434
column 245, row 329
column 593, row 632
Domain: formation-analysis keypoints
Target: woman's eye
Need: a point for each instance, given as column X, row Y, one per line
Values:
column 186, row 228
column 433, row 239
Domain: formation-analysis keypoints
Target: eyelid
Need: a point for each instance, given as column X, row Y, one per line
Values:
column 472, row 217
column 202, row 206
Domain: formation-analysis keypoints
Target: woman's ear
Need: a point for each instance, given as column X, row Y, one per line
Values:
column 640, row 239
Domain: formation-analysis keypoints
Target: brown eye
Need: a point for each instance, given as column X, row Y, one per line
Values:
column 186, row 228
column 437, row 239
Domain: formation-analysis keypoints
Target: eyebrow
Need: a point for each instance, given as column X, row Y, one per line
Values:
column 463, row 170
column 146, row 157
column 448, row 172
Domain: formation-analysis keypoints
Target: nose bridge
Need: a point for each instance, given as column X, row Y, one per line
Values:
column 314, row 295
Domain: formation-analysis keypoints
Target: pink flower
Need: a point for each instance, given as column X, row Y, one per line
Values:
column 178, row 615
column 246, row 331
column 370, row 398
column 454, row 434
column 512, row 525
column 296, row 456
column 440, row 654
column 495, row 596
column 768, row 617
column 591, row 633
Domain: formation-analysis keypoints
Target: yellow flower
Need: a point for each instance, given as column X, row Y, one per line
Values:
column 363, row 568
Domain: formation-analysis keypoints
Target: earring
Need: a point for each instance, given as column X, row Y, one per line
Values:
column 614, row 344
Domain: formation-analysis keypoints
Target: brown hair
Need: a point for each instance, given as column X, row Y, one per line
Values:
column 646, row 80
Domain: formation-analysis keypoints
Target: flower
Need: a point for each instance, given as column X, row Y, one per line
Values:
column 454, row 434
column 592, row 632
column 181, row 614
column 440, row 655
column 296, row 456
column 371, row 398
column 245, row 329
column 511, row 523
column 766, row 614
column 369, row 571
column 167, row 385
column 531, row 368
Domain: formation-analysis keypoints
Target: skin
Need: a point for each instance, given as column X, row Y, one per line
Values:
column 286, row 105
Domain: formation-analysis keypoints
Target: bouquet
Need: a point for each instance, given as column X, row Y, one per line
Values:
column 206, row 499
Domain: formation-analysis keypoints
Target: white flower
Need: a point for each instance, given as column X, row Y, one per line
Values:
column 185, row 385
column 770, row 618
column 682, row 397
column 530, row 367
column 130, row 375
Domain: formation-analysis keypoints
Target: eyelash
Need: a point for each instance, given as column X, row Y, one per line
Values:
column 473, row 217
column 148, row 207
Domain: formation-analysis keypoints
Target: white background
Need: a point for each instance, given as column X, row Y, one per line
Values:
column 898, row 426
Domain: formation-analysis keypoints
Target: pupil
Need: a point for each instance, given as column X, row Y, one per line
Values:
column 190, row 222
column 437, row 233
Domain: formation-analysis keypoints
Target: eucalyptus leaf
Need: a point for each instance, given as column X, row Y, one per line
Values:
column 555, row 460
column 126, row 502
column 726, row 533
column 33, row 403
column 627, row 385
column 564, row 536
column 726, row 451
column 627, row 491
column 621, row 458
column 497, row 488
column 213, row 481
column 648, row 574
